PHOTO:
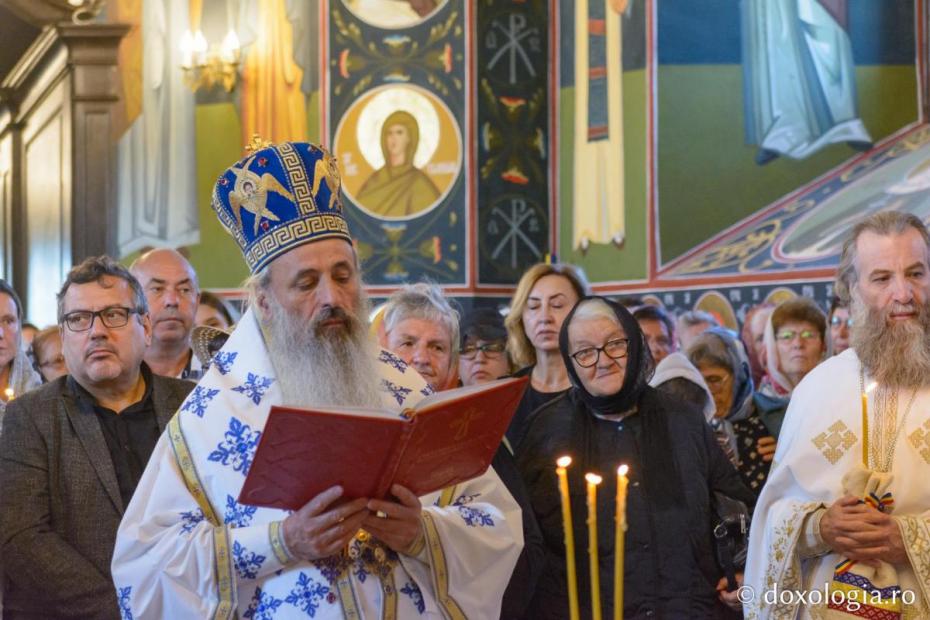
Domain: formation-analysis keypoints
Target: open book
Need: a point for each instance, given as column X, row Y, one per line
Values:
column 447, row 438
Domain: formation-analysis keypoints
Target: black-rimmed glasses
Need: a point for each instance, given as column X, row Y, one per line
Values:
column 111, row 316
column 614, row 349
column 490, row 349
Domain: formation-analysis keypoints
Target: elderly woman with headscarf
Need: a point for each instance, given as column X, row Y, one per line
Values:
column 608, row 417
column 723, row 363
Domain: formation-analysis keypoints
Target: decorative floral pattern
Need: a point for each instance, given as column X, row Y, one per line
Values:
column 389, row 358
column 238, row 446
column 262, row 607
column 307, row 595
column 123, row 594
column 236, row 514
column 197, row 402
column 189, row 520
column 224, row 361
column 247, row 563
column 474, row 517
column 254, row 387
column 398, row 392
column 411, row 590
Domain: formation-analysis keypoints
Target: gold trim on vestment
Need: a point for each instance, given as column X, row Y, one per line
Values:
column 388, row 597
column 347, row 596
column 276, row 533
column 182, row 455
column 226, row 583
column 440, row 570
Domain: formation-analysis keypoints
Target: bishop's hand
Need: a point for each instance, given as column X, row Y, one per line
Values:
column 861, row 533
column 400, row 527
column 318, row 531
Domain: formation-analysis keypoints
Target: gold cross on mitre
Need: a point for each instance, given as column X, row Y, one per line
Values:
column 257, row 144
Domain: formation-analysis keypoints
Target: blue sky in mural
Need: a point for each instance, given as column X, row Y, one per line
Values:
column 708, row 32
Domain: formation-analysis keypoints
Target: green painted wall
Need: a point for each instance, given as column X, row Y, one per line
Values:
column 216, row 258
column 607, row 262
column 708, row 179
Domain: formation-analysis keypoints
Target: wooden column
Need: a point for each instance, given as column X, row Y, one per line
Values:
column 92, row 56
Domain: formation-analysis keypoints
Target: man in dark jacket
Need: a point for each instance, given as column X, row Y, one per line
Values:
column 72, row 451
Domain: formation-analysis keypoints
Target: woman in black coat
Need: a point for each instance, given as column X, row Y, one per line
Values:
column 609, row 417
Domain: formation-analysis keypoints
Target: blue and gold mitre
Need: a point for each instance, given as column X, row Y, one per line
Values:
column 278, row 197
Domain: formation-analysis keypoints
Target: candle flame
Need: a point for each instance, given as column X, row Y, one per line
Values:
column 8, row 393
column 564, row 461
column 593, row 478
column 870, row 387
column 622, row 470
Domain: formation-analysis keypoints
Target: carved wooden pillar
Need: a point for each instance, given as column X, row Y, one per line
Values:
column 92, row 56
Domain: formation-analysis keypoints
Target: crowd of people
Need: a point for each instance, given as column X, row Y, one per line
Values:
column 129, row 427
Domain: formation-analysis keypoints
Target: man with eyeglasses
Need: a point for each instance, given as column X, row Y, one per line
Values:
column 173, row 294
column 483, row 356
column 73, row 451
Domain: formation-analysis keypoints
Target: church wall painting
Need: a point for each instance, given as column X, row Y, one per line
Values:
column 467, row 240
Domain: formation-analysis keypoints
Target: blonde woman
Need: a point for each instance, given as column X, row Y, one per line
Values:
column 545, row 295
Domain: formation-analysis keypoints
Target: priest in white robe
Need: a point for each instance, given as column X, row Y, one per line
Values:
column 842, row 527
column 187, row 549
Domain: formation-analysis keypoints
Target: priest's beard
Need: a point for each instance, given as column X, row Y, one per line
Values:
column 323, row 366
column 895, row 354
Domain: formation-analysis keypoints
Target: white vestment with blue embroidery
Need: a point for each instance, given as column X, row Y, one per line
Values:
column 187, row 549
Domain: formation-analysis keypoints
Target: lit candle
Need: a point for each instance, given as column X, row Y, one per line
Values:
column 593, row 480
column 619, row 535
column 562, row 463
column 865, row 424
column 9, row 394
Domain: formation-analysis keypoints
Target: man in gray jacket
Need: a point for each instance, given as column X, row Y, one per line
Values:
column 72, row 451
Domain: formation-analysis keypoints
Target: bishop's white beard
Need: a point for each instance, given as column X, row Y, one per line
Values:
column 896, row 355
column 323, row 367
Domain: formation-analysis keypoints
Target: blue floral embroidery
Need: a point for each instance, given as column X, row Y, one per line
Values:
column 238, row 515
column 397, row 391
column 307, row 594
column 262, row 607
column 411, row 590
column 254, row 387
column 329, row 568
column 190, row 520
column 123, row 594
column 224, row 361
column 361, row 573
column 247, row 563
column 474, row 517
column 392, row 360
column 197, row 402
column 238, row 447
column 427, row 391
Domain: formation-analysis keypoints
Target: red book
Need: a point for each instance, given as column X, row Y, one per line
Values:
column 445, row 439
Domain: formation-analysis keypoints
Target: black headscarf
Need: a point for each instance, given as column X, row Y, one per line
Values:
column 639, row 364
column 660, row 470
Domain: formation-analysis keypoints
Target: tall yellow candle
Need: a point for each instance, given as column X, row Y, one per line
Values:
column 619, row 536
column 865, row 423
column 572, row 577
column 865, row 430
column 593, row 480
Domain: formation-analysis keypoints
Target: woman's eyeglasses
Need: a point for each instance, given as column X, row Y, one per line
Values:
column 614, row 349
column 490, row 349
